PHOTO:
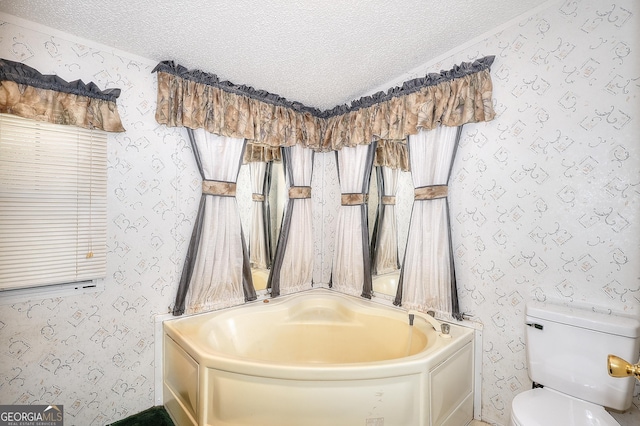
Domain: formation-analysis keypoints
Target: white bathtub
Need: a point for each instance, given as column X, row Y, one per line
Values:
column 316, row 358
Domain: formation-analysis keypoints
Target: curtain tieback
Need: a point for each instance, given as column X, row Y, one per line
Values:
column 257, row 197
column 298, row 192
column 354, row 199
column 389, row 200
column 431, row 192
column 219, row 188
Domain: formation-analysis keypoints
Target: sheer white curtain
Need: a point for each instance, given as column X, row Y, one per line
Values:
column 351, row 271
column 385, row 250
column 293, row 263
column 427, row 279
column 259, row 256
column 216, row 272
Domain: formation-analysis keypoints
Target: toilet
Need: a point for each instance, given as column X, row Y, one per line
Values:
column 567, row 350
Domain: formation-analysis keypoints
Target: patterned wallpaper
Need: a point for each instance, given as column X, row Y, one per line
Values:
column 94, row 353
column 544, row 201
column 546, row 198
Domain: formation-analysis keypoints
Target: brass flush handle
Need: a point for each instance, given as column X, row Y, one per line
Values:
column 618, row 367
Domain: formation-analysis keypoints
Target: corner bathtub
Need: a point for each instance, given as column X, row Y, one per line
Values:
column 316, row 358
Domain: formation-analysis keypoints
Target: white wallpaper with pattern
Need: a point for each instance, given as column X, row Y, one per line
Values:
column 545, row 199
column 95, row 353
column 545, row 204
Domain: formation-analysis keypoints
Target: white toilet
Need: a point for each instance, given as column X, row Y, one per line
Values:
column 567, row 352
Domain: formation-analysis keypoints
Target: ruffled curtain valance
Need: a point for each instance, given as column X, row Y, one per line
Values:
column 27, row 93
column 261, row 154
column 455, row 97
column 392, row 154
column 197, row 100
column 451, row 98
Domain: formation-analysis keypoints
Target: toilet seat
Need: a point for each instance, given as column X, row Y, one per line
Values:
column 546, row 407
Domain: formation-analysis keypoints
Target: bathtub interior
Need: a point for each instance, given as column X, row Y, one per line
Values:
column 298, row 333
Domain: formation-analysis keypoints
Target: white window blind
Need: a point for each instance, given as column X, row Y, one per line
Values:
column 53, row 203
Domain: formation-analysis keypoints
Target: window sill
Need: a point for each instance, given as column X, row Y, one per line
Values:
column 20, row 295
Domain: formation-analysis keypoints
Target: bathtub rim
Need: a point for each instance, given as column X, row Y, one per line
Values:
column 305, row 371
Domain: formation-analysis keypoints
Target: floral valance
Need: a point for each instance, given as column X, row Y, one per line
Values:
column 392, row 154
column 27, row 93
column 455, row 97
column 451, row 98
column 195, row 100
column 259, row 153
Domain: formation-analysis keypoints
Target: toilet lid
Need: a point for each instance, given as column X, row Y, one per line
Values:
column 546, row 407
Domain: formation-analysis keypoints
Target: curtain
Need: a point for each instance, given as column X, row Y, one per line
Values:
column 259, row 242
column 292, row 268
column 267, row 154
column 384, row 243
column 260, row 162
column 427, row 277
column 27, row 93
column 216, row 273
column 198, row 100
column 351, row 271
column 391, row 157
column 392, row 154
column 195, row 99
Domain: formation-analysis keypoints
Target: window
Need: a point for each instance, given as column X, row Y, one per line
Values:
column 53, row 183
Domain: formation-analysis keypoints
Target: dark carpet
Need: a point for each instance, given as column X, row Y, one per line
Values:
column 154, row 416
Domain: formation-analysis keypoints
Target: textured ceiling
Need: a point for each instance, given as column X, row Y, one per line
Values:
column 319, row 52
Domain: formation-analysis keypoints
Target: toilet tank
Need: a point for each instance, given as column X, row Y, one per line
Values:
column 567, row 350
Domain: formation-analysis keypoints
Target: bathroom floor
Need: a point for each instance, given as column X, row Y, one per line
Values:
column 630, row 417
